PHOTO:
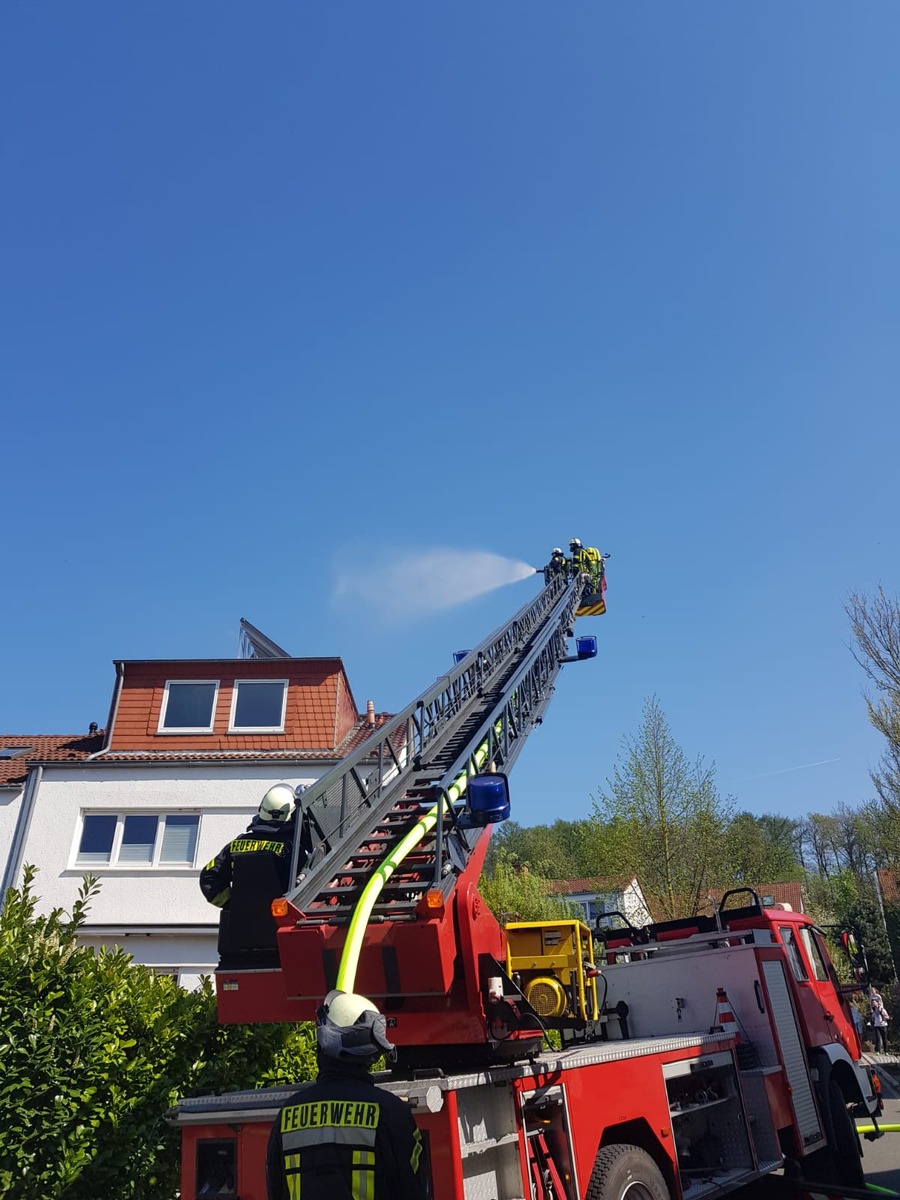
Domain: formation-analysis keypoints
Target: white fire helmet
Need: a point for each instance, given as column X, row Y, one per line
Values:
column 278, row 803
column 351, row 1028
column 556, row 550
column 575, row 544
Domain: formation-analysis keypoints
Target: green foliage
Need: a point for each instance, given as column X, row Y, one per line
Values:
column 94, row 1049
column 866, row 920
column 667, row 818
column 563, row 850
column 516, row 893
column 760, row 850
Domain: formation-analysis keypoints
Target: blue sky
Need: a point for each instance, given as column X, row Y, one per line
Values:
column 293, row 285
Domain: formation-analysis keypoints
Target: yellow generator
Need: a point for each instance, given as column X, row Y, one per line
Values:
column 553, row 964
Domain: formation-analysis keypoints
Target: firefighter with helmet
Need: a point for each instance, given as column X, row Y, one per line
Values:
column 578, row 561
column 556, row 566
column 250, row 871
column 341, row 1137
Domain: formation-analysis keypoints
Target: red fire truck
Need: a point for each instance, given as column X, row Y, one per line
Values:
column 694, row 1057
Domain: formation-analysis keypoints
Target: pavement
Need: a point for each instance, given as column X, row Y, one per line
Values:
column 888, row 1068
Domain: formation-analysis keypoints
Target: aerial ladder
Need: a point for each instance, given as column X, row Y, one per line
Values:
column 385, row 898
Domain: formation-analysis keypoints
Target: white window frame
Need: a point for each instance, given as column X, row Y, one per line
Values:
column 113, row 864
column 161, row 728
column 232, row 728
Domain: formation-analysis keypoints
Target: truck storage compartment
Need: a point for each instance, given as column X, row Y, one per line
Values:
column 709, row 1124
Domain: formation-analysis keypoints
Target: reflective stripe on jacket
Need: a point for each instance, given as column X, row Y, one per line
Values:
column 343, row 1138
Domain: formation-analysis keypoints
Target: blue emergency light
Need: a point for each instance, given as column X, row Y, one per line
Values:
column 459, row 655
column 586, row 647
column 488, row 799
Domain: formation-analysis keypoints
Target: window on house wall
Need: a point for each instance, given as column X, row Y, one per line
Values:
column 257, row 705
column 189, row 706
column 137, row 840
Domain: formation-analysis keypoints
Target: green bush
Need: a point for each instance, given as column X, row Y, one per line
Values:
column 94, row 1049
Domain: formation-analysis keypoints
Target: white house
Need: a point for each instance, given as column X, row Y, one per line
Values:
column 605, row 894
column 189, row 750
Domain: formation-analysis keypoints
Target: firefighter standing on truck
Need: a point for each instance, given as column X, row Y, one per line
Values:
column 270, row 834
column 247, row 874
column 342, row 1137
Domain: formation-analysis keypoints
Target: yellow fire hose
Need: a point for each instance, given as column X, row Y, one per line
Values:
column 346, row 977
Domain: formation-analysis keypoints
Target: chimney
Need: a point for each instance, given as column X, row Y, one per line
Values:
column 370, row 712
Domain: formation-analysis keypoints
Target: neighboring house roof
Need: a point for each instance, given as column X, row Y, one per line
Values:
column 773, row 893
column 43, row 748
column 889, row 884
column 598, row 885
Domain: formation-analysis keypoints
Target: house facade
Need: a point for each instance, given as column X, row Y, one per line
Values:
column 190, row 748
column 605, row 894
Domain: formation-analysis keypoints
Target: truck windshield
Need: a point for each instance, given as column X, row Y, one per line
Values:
column 814, row 954
column 793, row 952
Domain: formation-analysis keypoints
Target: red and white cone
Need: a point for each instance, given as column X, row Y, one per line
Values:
column 725, row 1019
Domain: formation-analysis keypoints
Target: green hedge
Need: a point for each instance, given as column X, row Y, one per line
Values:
column 94, row 1049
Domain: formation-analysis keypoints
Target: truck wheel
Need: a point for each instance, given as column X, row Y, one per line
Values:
column 846, row 1139
column 839, row 1161
column 626, row 1173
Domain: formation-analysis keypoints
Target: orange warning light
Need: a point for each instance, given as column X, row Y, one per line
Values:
column 434, row 899
column 279, row 907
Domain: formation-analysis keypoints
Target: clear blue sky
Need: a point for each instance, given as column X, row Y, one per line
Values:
column 289, row 283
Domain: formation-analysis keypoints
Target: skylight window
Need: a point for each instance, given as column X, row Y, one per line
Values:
column 189, row 706
column 14, row 751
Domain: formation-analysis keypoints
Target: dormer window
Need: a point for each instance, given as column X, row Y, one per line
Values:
column 189, row 706
column 258, row 705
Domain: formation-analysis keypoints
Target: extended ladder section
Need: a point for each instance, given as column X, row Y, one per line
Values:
column 472, row 720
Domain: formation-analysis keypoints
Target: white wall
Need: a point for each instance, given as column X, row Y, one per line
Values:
column 189, row 956
column 10, row 802
column 634, row 906
column 146, row 896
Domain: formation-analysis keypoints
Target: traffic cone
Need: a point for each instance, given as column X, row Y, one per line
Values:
column 726, row 1022
column 725, row 1019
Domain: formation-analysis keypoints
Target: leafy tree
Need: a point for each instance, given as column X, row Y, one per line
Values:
column 841, row 899
column 667, row 817
column 760, row 850
column 563, row 850
column 94, row 1049
column 875, row 625
column 514, row 892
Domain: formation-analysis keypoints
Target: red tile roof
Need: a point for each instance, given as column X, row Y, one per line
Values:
column 354, row 739
column 602, row 884
column 890, row 886
column 320, row 711
column 44, row 748
column 781, row 893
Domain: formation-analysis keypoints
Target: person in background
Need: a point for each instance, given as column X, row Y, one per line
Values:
column 880, row 1018
column 342, row 1137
